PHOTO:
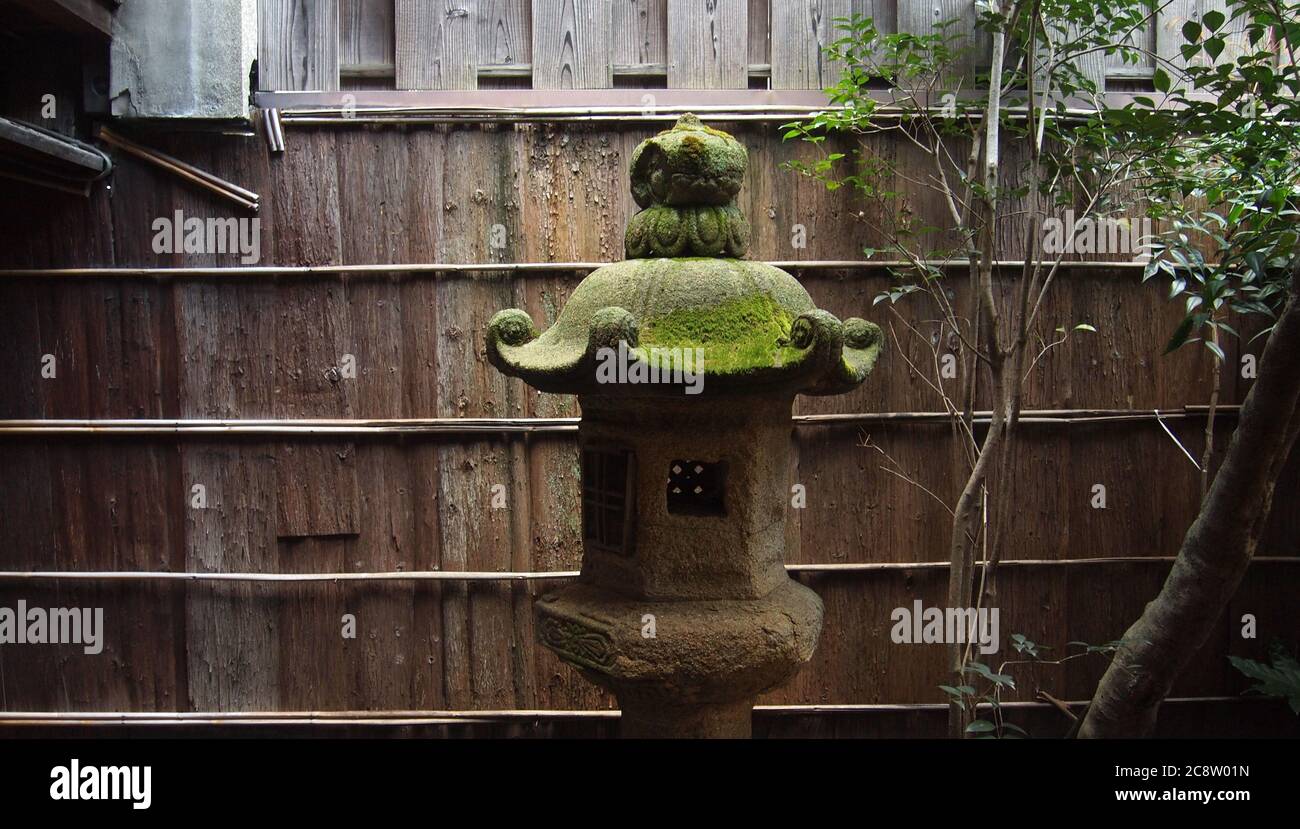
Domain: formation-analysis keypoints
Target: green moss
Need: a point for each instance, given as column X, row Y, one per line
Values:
column 737, row 336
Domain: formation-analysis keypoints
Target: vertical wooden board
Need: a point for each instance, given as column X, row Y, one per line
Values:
column 884, row 13
column 139, row 342
column 314, row 352
column 420, row 204
column 760, row 32
column 552, row 535
column 132, row 501
column 795, row 217
column 232, row 636
column 143, row 194
column 478, row 497
column 388, row 655
column 316, row 663
column 316, row 490
column 225, row 344
column 436, row 44
column 1177, row 501
column 29, row 518
column 22, row 358
column 429, row 683
column 298, row 44
column 1125, row 362
column 366, row 34
column 1035, row 602
column 852, row 296
column 1036, row 524
column 856, row 660
column 567, row 172
column 1137, row 519
column 854, row 506
column 1092, row 66
column 801, row 31
column 782, row 207
column 1049, row 382
column 374, row 169
column 556, row 542
column 505, row 32
column 708, row 44
column 572, row 44
column 1281, row 535
column 313, row 337
column 477, row 618
column 305, row 199
column 1144, row 39
column 920, row 18
column 476, row 531
column 639, row 32
column 1169, row 31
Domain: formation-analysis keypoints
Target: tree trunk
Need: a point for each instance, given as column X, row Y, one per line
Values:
column 1216, row 551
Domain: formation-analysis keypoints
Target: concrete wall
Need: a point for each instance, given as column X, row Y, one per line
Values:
column 183, row 58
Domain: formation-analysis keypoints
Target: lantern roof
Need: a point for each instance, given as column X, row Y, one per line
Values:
column 685, row 299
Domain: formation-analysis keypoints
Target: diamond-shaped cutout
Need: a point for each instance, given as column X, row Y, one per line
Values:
column 696, row 488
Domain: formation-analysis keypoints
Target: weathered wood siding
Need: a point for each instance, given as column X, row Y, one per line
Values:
column 587, row 44
column 270, row 348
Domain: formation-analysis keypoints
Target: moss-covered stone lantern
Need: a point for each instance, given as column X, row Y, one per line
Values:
column 686, row 360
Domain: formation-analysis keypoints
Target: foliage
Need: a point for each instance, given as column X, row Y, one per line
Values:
column 984, row 703
column 993, row 160
column 1280, row 679
column 1218, row 157
column 1046, row 42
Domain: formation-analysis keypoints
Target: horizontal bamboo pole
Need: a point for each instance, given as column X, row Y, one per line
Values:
column 415, row 717
column 353, row 119
column 547, row 575
column 525, row 70
column 627, row 105
column 287, row 428
column 247, row 271
column 48, row 428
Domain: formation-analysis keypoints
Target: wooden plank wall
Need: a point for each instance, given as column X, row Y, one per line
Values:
column 707, row 44
column 572, row 44
column 596, row 44
column 298, row 44
column 266, row 348
column 436, row 45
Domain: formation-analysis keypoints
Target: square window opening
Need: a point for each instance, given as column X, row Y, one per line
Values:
column 697, row 488
column 607, row 494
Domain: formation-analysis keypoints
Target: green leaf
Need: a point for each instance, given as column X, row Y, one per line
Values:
column 1160, row 80
column 1214, row 47
column 1181, row 334
column 1191, row 31
column 981, row 727
column 1083, row 326
column 1213, row 20
column 1281, row 679
column 983, row 670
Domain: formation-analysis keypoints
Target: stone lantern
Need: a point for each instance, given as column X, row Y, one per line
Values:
column 686, row 360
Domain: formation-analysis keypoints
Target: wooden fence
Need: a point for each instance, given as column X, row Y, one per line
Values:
column 546, row 44
column 280, row 345
column 594, row 44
